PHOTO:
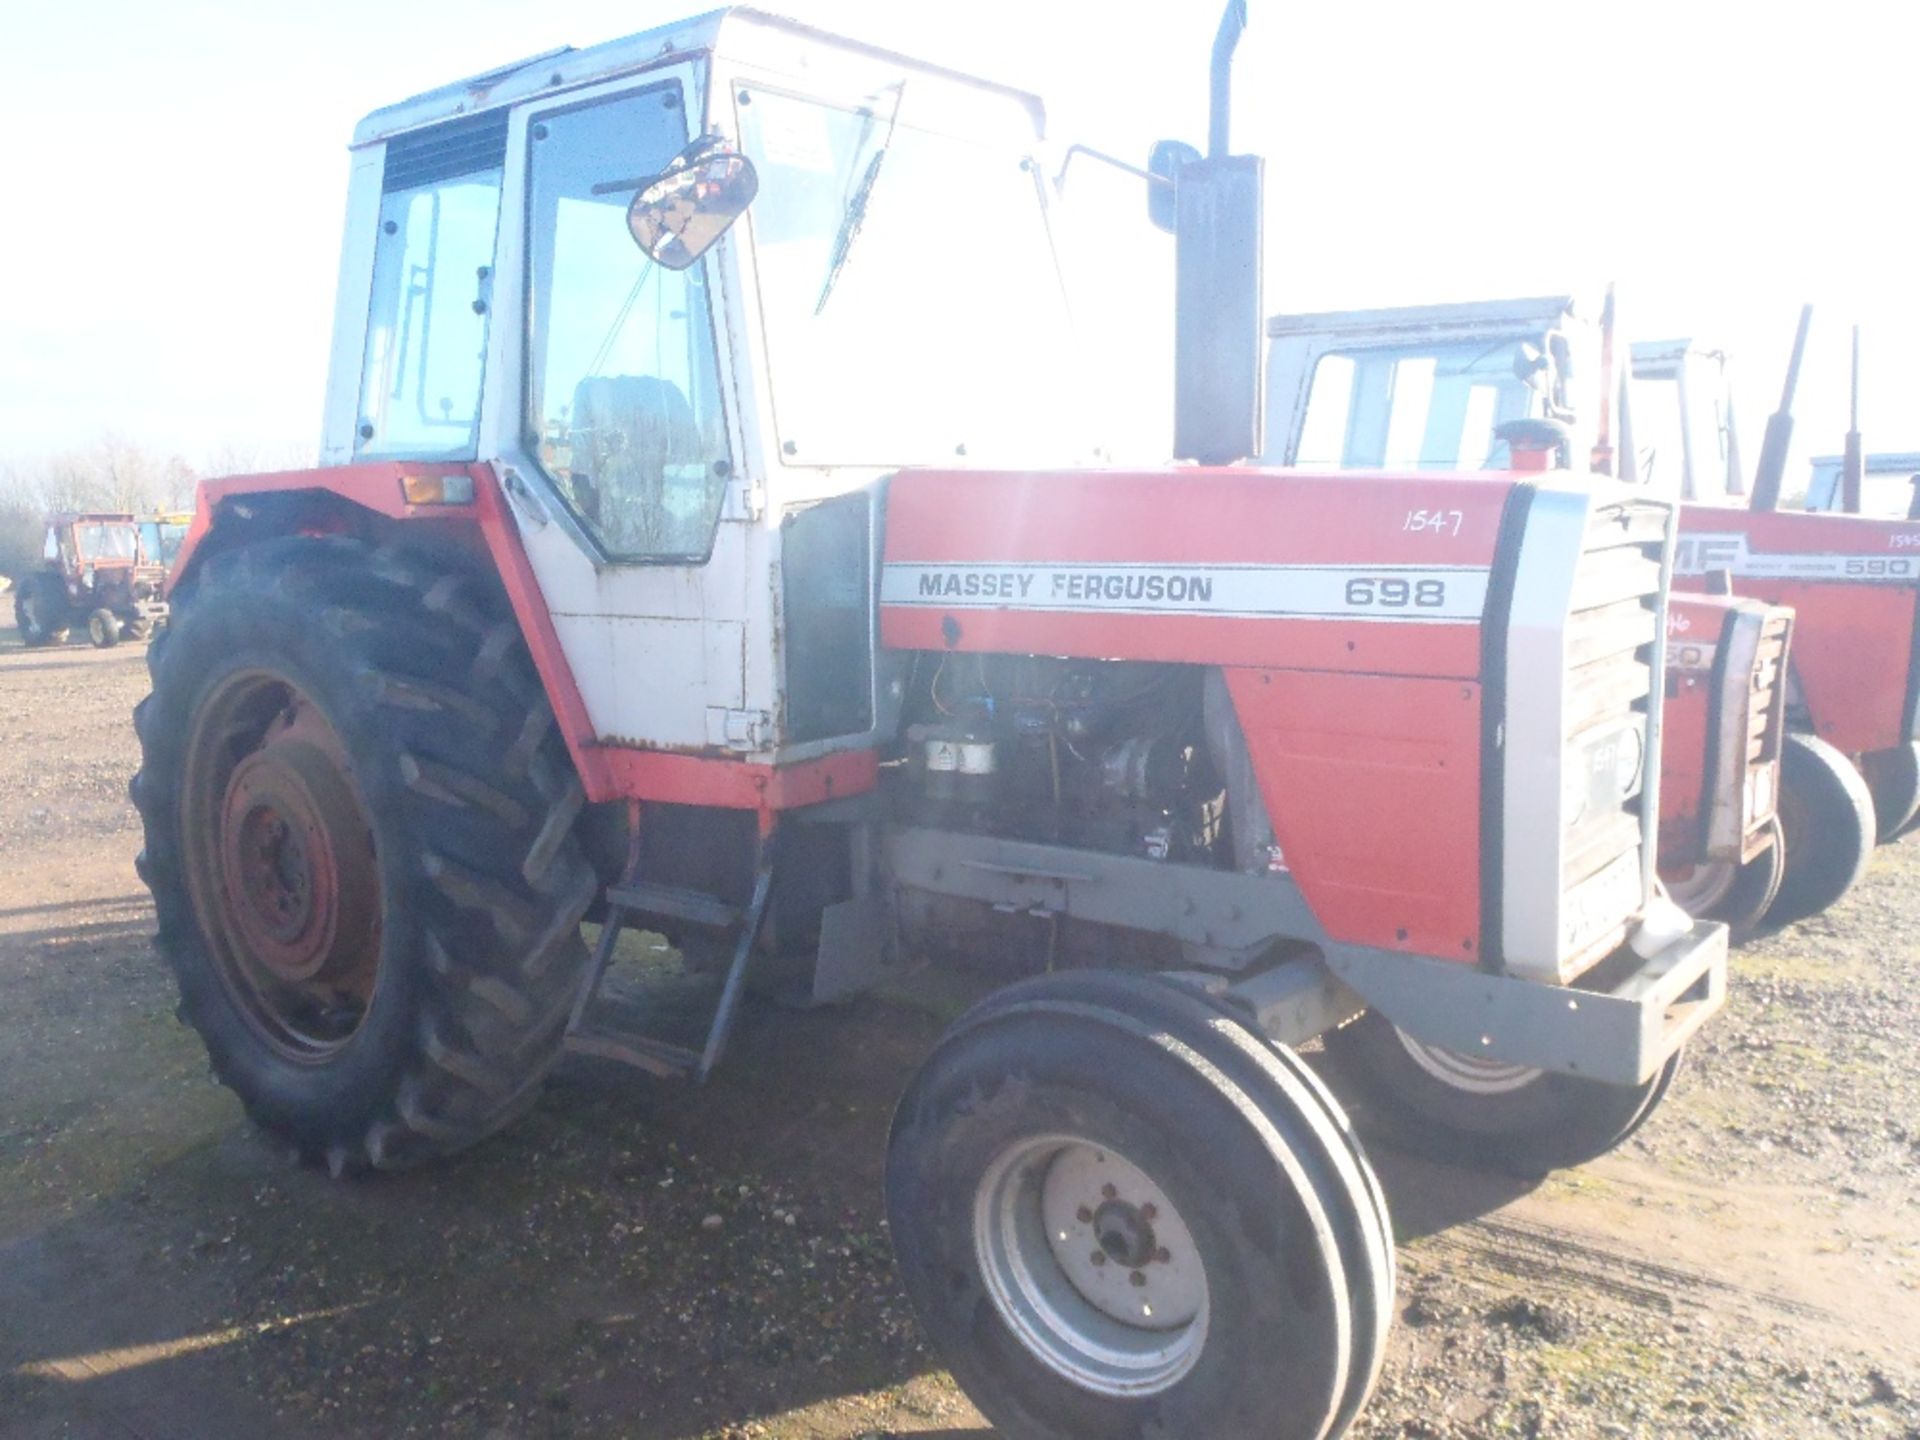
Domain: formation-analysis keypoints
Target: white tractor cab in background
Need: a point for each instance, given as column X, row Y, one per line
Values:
column 1487, row 384
column 1891, row 484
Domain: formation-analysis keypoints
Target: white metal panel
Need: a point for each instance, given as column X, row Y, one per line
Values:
column 341, row 411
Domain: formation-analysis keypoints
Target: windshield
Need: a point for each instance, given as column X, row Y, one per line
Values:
column 912, row 304
column 106, row 542
column 1432, row 408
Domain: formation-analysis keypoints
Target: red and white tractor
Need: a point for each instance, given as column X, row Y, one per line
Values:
column 702, row 542
column 92, row 573
column 1474, row 384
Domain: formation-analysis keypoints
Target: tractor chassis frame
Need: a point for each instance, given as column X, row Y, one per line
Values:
column 1618, row 1025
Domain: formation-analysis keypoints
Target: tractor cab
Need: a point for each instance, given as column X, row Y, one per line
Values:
column 647, row 280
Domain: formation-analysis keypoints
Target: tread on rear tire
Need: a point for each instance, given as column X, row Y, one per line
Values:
column 469, row 798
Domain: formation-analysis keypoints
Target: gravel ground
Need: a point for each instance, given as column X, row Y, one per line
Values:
column 642, row 1260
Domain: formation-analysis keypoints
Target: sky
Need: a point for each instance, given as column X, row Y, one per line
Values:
column 175, row 176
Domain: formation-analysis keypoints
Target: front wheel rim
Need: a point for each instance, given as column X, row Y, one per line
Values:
column 1090, row 1266
column 1468, row 1073
column 1697, row 889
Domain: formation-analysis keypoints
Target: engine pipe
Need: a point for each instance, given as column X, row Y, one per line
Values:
column 1233, row 24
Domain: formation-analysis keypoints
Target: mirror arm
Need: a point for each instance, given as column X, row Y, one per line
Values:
column 1060, row 179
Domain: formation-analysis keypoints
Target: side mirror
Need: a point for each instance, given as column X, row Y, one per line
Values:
column 678, row 215
column 1169, row 157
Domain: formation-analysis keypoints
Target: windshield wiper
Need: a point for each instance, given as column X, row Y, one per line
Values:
column 855, row 214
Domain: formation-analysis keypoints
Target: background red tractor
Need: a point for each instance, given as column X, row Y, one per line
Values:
column 93, row 572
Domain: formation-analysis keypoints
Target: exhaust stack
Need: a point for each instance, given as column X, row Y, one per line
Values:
column 1773, row 449
column 1219, row 308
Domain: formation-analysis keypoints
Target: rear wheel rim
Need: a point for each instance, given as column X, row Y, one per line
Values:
column 281, row 866
column 1468, row 1073
column 1090, row 1266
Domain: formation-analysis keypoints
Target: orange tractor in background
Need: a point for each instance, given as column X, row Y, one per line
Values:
column 93, row 572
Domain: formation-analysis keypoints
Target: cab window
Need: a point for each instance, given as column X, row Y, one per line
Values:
column 623, row 384
column 432, row 289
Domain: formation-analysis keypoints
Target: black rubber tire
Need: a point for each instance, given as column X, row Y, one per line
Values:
column 1744, row 905
column 1893, row 779
column 1277, row 1358
column 103, row 629
column 1291, row 1096
column 29, row 615
column 1827, row 813
column 423, row 676
column 1552, row 1122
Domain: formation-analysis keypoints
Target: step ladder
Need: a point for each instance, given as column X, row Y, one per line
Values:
column 632, row 900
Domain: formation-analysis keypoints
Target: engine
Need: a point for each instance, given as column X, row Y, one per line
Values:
column 1098, row 755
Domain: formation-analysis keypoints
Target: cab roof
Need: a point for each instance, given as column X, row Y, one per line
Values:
column 736, row 28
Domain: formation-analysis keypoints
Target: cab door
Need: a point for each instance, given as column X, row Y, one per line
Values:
column 612, row 426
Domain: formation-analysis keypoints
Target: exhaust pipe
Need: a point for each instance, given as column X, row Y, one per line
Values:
column 1772, row 468
column 1219, row 314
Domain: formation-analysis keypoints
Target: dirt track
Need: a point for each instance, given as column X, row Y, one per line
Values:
column 639, row 1260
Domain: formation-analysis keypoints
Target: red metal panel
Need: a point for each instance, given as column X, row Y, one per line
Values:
column 1446, row 650
column 1695, row 628
column 1854, row 633
column 1221, row 516
column 1366, row 778
column 1215, row 518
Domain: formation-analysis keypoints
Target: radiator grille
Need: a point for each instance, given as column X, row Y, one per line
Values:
column 1612, row 657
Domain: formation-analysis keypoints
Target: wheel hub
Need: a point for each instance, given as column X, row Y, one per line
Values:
column 286, row 813
column 1091, row 1266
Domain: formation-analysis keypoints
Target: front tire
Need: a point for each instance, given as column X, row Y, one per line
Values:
column 1462, row 1110
column 1893, row 779
column 1827, row 814
column 1217, row 1192
column 103, row 629
column 358, row 819
column 35, row 618
column 1739, row 895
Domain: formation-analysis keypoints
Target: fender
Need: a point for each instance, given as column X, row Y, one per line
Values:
column 375, row 498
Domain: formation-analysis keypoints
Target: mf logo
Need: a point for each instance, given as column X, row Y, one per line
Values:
column 1698, row 554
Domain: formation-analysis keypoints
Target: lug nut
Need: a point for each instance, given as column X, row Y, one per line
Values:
column 1139, row 1278
column 1149, row 1213
column 1083, row 1215
column 1109, row 1192
column 1099, row 1257
column 1163, row 1255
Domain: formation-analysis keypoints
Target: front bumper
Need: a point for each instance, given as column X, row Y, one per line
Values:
column 1622, row 1023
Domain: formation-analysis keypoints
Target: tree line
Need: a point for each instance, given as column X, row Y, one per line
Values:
column 115, row 474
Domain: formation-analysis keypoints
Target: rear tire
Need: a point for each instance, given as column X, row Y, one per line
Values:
column 1827, row 814
column 1893, row 779
column 1738, row 895
column 1460, row 1110
column 103, row 629
column 370, row 1009
column 1036, row 1096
